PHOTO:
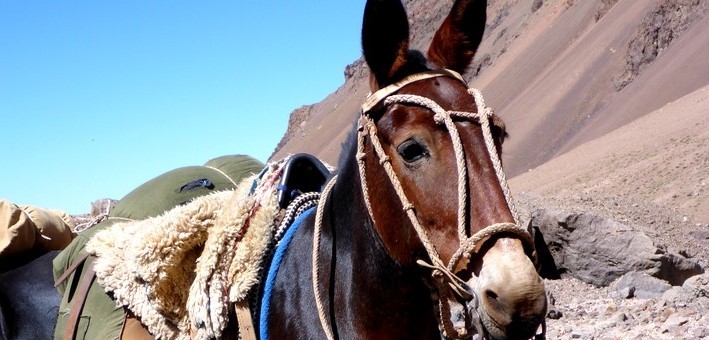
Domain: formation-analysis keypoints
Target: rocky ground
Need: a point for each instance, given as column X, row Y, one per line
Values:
column 668, row 227
column 649, row 176
column 582, row 311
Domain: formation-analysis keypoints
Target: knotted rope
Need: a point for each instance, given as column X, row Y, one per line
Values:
column 441, row 116
column 443, row 275
column 447, row 283
column 317, row 230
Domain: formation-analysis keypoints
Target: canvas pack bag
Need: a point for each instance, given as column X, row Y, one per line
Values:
column 27, row 232
column 86, row 310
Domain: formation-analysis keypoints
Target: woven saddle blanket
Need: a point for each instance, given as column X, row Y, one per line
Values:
column 180, row 271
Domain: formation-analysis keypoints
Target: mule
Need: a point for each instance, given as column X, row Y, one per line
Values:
column 28, row 300
column 419, row 206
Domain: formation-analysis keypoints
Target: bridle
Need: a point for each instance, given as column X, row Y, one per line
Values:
column 455, row 319
column 446, row 282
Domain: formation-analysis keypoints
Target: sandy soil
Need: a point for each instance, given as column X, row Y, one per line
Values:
column 660, row 158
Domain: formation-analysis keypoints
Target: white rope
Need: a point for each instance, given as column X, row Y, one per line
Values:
column 223, row 173
column 467, row 245
column 490, row 143
column 362, row 129
column 322, row 312
column 98, row 219
column 441, row 116
column 374, row 98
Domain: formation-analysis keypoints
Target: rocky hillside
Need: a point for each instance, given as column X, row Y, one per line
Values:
column 558, row 71
column 561, row 73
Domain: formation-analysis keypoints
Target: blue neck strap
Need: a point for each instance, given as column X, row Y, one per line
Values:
column 273, row 271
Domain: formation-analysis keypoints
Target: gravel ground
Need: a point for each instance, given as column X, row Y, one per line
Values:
column 582, row 311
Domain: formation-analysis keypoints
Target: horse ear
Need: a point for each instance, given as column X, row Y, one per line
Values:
column 457, row 39
column 385, row 39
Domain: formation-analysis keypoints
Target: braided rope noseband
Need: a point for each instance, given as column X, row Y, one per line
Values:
column 443, row 275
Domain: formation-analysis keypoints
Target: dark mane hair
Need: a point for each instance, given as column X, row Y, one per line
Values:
column 416, row 62
column 349, row 144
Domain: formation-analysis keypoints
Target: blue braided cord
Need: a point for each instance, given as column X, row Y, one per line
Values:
column 273, row 271
column 254, row 184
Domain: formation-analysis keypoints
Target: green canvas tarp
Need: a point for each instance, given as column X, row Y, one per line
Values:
column 100, row 317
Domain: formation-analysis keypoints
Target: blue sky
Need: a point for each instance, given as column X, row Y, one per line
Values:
column 98, row 97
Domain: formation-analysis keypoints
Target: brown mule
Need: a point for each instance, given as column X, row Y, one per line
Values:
column 418, row 237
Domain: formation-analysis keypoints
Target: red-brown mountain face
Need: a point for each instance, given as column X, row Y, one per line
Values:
column 563, row 73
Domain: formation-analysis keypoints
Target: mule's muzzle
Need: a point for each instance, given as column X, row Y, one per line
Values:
column 499, row 322
column 511, row 296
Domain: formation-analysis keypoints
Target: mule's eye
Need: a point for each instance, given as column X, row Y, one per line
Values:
column 499, row 134
column 411, row 150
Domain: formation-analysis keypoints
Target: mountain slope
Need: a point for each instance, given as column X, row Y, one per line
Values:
column 561, row 73
column 661, row 157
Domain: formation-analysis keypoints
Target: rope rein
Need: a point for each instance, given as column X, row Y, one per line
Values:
column 317, row 228
column 446, row 282
column 443, row 274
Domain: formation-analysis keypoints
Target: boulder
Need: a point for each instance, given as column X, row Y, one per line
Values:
column 598, row 250
column 694, row 288
column 102, row 206
column 641, row 285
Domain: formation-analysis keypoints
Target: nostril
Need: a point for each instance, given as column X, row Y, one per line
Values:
column 512, row 300
column 495, row 308
column 491, row 294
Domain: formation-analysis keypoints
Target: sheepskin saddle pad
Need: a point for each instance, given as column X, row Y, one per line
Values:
column 180, row 271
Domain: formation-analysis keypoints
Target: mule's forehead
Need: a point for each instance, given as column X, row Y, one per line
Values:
column 448, row 93
column 451, row 95
column 374, row 99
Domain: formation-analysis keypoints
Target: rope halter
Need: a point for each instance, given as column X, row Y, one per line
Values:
column 444, row 278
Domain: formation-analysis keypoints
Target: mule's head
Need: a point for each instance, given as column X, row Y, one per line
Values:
column 421, row 151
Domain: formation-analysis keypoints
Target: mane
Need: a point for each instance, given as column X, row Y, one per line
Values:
column 349, row 146
column 416, row 62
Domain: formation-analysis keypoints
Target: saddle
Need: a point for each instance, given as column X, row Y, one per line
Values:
column 302, row 173
column 179, row 272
